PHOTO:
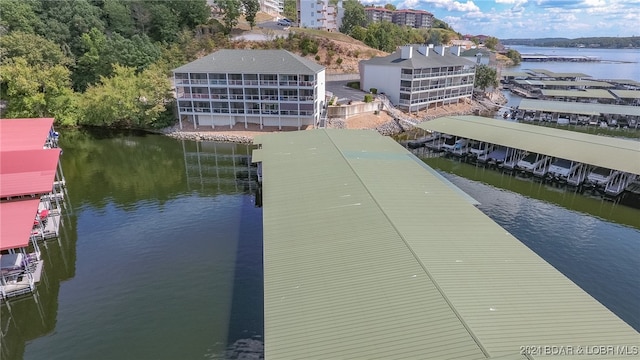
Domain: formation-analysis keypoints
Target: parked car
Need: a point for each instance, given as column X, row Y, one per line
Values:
column 284, row 22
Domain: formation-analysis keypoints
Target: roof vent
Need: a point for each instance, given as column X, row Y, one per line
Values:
column 406, row 52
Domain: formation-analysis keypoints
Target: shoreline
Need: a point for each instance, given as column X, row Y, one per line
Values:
column 384, row 123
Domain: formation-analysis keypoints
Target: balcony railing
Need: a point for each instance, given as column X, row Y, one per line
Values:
column 247, row 111
column 244, row 82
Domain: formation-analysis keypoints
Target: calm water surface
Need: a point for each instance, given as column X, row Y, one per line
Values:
column 160, row 255
column 614, row 64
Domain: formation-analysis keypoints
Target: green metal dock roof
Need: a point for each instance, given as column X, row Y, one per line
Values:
column 607, row 152
column 368, row 255
column 627, row 94
column 578, row 108
column 587, row 93
column 586, row 83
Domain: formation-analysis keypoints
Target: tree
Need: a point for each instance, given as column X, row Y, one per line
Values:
column 485, row 77
column 118, row 17
column 290, row 11
column 37, row 91
column 390, row 7
column 491, row 43
column 354, row 15
column 127, row 99
column 35, row 49
column 164, row 24
column 251, row 8
column 18, row 15
column 231, row 10
column 190, row 13
column 514, row 55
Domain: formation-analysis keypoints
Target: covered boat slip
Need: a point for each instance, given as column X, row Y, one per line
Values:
column 607, row 152
column 587, row 94
column 565, row 107
column 364, row 258
column 27, row 134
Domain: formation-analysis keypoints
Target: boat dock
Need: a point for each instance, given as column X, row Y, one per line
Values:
column 32, row 193
column 557, row 58
column 548, row 153
column 364, row 258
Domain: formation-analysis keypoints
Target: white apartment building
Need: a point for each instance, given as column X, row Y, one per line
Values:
column 264, row 87
column 418, row 76
column 319, row 14
column 272, row 7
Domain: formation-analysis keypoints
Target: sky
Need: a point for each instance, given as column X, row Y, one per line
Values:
column 509, row 19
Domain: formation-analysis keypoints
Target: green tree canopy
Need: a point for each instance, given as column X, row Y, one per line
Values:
column 35, row 49
column 118, row 17
column 127, row 99
column 290, row 11
column 515, row 56
column 485, row 77
column 19, row 15
column 231, row 13
column 251, row 8
column 37, row 90
column 354, row 15
column 491, row 43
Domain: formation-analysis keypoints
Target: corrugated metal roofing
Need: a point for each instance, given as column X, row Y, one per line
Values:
column 560, row 74
column 16, row 220
column 627, row 94
column 420, row 61
column 592, row 83
column 607, row 152
column 578, row 108
column 28, row 171
column 514, row 74
column 588, row 93
column 24, row 134
column 252, row 62
column 368, row 255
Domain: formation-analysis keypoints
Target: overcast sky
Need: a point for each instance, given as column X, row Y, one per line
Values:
column 532, row 18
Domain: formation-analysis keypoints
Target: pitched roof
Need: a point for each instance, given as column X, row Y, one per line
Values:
column 27, row 172
column 17, row 219
column 252, row 61
column 419, row 61
column 24, row 134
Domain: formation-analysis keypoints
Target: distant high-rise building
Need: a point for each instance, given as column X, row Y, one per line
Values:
column 378, row 14
column 418, row 19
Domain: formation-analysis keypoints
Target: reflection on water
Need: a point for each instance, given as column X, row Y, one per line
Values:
column 160, row 258
column 595, row 243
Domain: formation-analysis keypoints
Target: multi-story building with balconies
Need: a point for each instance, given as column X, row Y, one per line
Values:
column 264, row 87
column 418, row 19
column 418, row 76
column 378, row 14
column 319, row 14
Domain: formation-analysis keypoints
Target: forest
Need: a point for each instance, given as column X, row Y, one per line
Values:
column 99, row 62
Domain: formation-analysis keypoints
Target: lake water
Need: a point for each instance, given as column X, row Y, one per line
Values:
column 160, row 255
column 614, row 64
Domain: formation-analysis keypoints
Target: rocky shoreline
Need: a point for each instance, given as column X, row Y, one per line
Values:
column 392, row 127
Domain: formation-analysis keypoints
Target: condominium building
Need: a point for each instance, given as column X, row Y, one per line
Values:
column 319, row 14
column 418, row 76
column 264, row 87
column 378, row 14
column 272, row 7
column 418, row 19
